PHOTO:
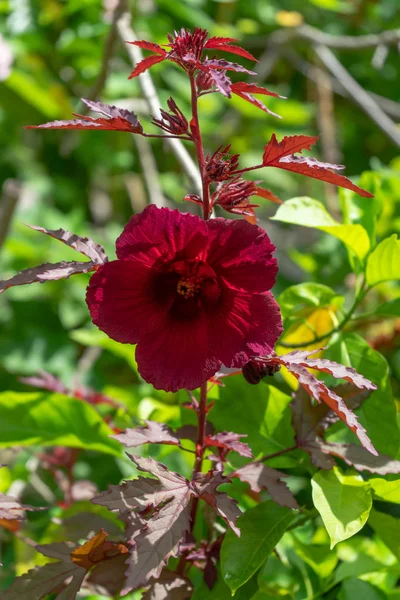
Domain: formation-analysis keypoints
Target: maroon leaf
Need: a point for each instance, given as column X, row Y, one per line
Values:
column 12, row 510
column 225, row 65
column 280, row 155
column 119, row 119
column 229, row 441
column 169, row 586
column 224, row 45
column 243, row 90
column 221, row 82
column 153, row 433
column 47, row 272
column 149, row 46
column 206, row 489
column 84, row 245
column 145, row 64
column 259, row 477
column 41, row 581
column 108, row 577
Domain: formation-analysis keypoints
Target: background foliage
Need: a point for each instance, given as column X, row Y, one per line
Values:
column 90, row 182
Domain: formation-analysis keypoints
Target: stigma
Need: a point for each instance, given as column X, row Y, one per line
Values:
column 188, row 287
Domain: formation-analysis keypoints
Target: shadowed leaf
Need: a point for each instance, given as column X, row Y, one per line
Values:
column 84, row 245
column 169, row 586
column 206, row 488
column 48, row 272
column 229, row 441
column 153, row 433
column 260, row 476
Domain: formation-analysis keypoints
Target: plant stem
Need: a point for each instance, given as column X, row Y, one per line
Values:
column 359, row 298
column 278, row 453
column 166, row 137
column 198, row 143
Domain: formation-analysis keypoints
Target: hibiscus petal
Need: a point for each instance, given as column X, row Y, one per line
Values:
column 120, row 300
column 178, row 356
column 241, row 253
column 162, row 235
column 244, row 326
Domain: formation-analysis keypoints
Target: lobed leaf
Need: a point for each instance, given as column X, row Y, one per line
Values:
column 206, row 489
column 84, row 245
column 221, row 82
column 229, row 441
column 280, row 155
column 169, row 586
column 357, row 457
column 226, row 65
column 48, row 272
column 224, row 45
column 151, row 46
column 152, row 433
column 260, row 476
column 145, row 64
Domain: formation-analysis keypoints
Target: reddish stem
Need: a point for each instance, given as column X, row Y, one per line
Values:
column 198, row 143
column 247, row 169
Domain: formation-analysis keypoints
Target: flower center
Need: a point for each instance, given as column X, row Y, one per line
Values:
column 188, row 287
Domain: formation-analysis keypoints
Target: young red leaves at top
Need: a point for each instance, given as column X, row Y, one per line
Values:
column 281, row 155
column 117, row 119
column 311, row 422
column 158, row 517
column 61, row 270
column 186, row 48
column 174, row 122
column 298, row 363
column 65, row 577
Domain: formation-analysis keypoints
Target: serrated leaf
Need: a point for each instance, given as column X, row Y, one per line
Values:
column 384, row 262
column 343, row 501
column 12, row 510
column 261, row 529
column 280, row 155
column 226, row 65
column 84, row 245
column 152, row 433
column 260, row 476
column 169, row 586
column 298, row 364
column 224, row 45
column 53, row 420
column 206, row 489
column 145, row 64
column 151, row 46
column 246, row 91
column 307, row 212
column 357, row 457
column 228, row 440
column 221, row 82
column 119, row 119
column 48, row 272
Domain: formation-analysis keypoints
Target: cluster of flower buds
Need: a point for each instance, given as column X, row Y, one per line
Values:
column 174, row 122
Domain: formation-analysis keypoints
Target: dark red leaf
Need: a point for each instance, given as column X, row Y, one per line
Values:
column 108, row 577
column 169, row 586
column 84, row 245
column 229, row 441
column 225, row 46
column 145, row 64
column 206, row 486
column 259, row 477
column 153, row 433
column 252, row 88
column 267, row 194
column 48, row 272
column 280, row 155
column 221, row 63
column 12, row 510
column 149, row 46
column 221, row 82
column 119, row 119
column 355, row 456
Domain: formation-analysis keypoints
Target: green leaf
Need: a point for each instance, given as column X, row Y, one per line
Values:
column 95, row 337
column 343, row 501
column 53, row 420
column 321, row 558
column 261, row 529
column 378, row 413
column 260, row 411
column 388, row 491
column 301, row 295
column 312, row 213
column 356, row 588
column 389, row 309
column 388, row 529
column 384, row 262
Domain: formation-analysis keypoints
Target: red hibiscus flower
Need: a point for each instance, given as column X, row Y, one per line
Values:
column 192, row 295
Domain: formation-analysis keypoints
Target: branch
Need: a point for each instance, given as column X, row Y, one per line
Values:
column 358, row 94
column 108, row 51
column 150, row 172
column 340, row 42
column 9, row 199
column 126, row 32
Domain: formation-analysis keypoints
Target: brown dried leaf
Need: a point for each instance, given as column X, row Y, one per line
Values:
column 260, row 476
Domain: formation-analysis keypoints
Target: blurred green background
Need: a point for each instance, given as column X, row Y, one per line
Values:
column 51, row 55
